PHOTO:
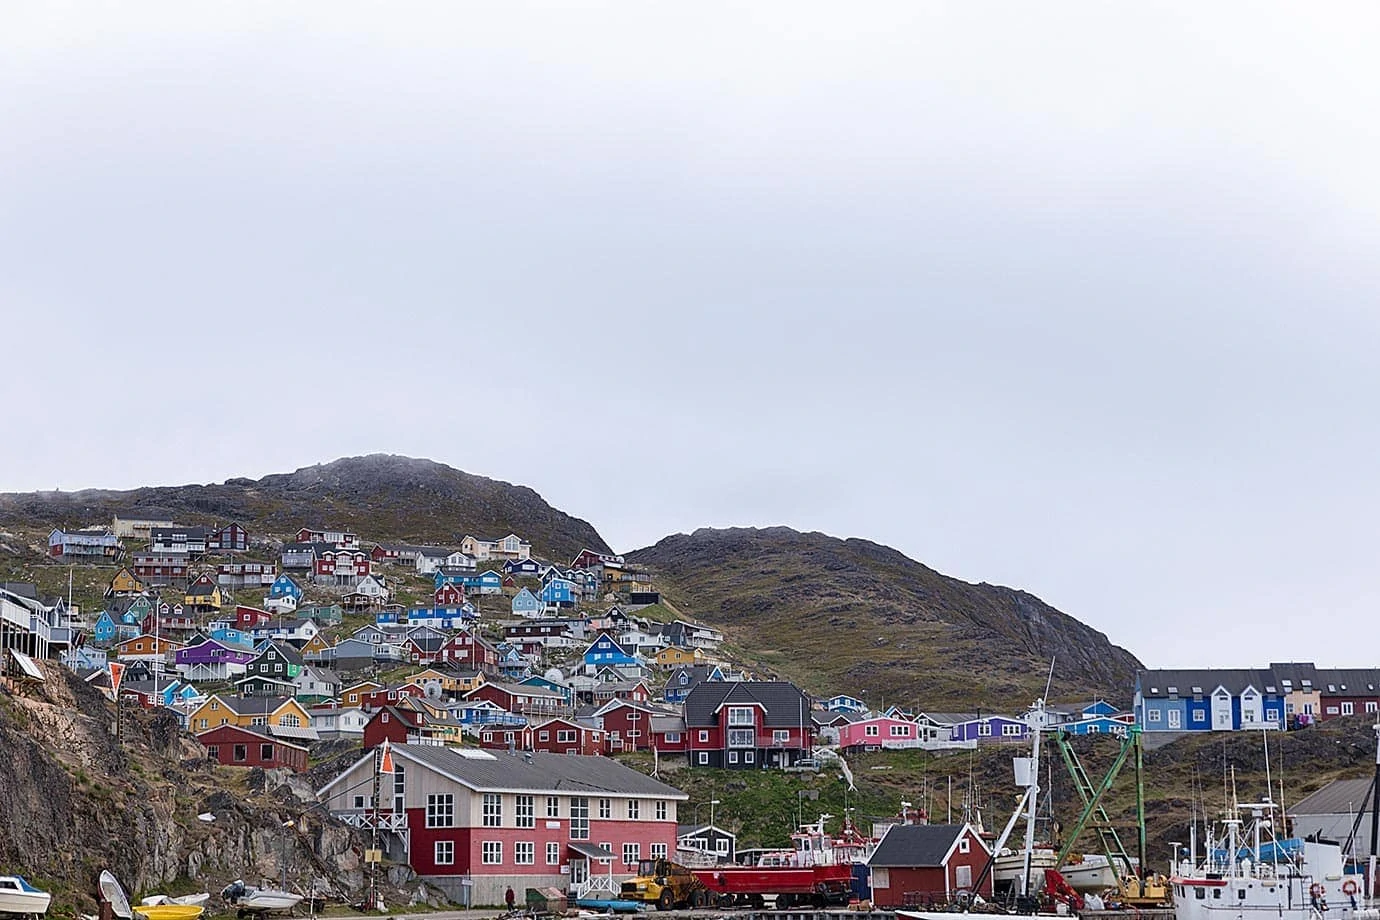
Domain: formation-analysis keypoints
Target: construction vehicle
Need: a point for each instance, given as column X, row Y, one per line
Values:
column 666, row 884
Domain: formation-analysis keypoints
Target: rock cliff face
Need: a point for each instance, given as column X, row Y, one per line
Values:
column 79, row 800
column 850, row 614
column 381, row 496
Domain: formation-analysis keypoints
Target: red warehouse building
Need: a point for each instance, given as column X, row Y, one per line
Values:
column 529, row 820
column 235, row 746
column 918, row 865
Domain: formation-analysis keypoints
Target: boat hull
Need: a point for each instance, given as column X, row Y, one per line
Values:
column 19, row 897
column 764, row 880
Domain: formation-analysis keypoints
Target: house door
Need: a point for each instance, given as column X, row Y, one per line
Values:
column 579, row 874
column 963, row 877
column 1174, row 721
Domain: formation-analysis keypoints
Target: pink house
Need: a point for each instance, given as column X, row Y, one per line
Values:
column 879, row 733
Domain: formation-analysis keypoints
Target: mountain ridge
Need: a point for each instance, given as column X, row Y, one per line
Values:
column 377, row 494
column 890, row 614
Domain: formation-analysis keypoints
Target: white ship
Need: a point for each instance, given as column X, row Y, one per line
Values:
column 1249, row 872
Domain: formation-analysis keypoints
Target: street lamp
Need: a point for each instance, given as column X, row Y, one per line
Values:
column 711, row 803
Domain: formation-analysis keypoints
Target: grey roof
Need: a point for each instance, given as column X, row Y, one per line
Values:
column 1339, row 797
column 535, row 771
column 191, row 533
column 251, row 705
column 783, row 702
column 285, row 651
column 915, row 845
column 1156, row 684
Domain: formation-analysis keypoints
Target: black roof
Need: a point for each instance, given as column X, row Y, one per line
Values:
column 784, row 703
column 915, row 845
column 191, row 533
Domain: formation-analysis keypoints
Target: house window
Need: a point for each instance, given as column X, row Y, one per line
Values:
column 704, row 736
column 605, row 809
column 579, row 818
column 661, row 810
column 1152, row 715
column 1011, row 730
column 658, row 851
column 565, row 736
column 871, row 731
column 359, row 801
column 1198, row 715
column 524, row 852
column 491, row 853
column 525, row 811
column 632, row 852
column 704, row 758
column 266, row 752
column 440, row 810
column 553, row 807
column 553, row 854
column 749, row 756
column 1348, row 709
column 445, row 852
column 634, row 809
column 673, row 737
column 1370, row 706
column 984, row 729
column 493, row 810
column 741, row 737
column 213, row 751
column 740, row 715
column 963, row 844
column 900, row 731
column 732, row 756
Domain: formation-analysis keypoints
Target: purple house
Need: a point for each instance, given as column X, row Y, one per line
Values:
column 979, row 728
column 212, row 660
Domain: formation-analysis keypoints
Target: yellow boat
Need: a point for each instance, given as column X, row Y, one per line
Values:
column 170, row 911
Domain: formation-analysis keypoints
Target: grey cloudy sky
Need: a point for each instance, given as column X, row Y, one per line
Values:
column 1079, row 298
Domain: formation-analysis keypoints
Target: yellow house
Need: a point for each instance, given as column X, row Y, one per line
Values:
column 673, row 656
column 203, row 593
column 350, row 696
column 450, row 681
column 124, row 583
column 317, row 643
column 247, row 712
column 442, row 724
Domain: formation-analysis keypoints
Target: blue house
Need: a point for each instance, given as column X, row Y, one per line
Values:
column 487, row 582
column 558, row 592
column 845, row 703
column 103, row 631
column 392, row 615
column 605, row 652
column 439, row 617
column 520, row 568
column 1210, row 699
column 285, row 586
column 526, row 604
column 512, row 664
column 231, row 637
column 979, row 728
column 537, row 680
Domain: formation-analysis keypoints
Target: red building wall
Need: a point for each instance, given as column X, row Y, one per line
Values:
column 226, row 737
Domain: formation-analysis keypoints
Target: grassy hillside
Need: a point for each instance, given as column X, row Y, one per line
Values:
column 850, row 615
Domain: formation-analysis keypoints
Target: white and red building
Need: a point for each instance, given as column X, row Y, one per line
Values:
column 340, row 567
column 525, row 819
column 341, row 539
column 747, row 724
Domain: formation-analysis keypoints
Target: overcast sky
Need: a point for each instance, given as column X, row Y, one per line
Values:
column 1079, row 298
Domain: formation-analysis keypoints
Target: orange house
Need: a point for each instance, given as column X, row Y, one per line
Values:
column 146, row 648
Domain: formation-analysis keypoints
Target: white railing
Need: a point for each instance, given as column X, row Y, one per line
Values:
column 369, row 818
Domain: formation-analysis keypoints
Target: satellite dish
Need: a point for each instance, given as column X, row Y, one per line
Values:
column 554, row 674
column 114, row 893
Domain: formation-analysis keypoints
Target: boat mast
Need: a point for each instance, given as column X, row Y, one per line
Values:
column 1032, row 794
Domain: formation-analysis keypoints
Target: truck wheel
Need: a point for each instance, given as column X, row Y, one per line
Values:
column 757, row 902
column 725, row 901
column 785, row 901
column 666, row 901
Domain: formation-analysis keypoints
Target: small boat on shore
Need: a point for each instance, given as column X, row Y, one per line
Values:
column 199, row 899
column 249, row 900
column 17, row 896
column 169, row 911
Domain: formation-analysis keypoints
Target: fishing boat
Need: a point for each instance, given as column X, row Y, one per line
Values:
column 1248, row 870
column 113, row 893
column 17, row 896
column 247, row 899
column 1093, row 872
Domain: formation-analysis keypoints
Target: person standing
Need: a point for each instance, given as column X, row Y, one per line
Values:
column 509, row 897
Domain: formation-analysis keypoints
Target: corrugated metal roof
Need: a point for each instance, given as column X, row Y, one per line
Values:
column 536, row 771
column 1340, row 797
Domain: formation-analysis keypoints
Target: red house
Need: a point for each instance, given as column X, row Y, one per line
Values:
column 563, row 736
column 627, row 726
column 519, row 699
column 389, row 696
column 399, row 725
column 747, row 724
column 159, row 569
column 448, row 595
column 919, row 865
column 246, row 618
column 528, row 819
column 341, row 565
column 465, row 648
column 232, row 538
column 235, row 746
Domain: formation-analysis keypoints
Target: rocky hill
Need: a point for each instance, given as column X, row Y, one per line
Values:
column 839, row 615
column 381, row 496
column 78, row 800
